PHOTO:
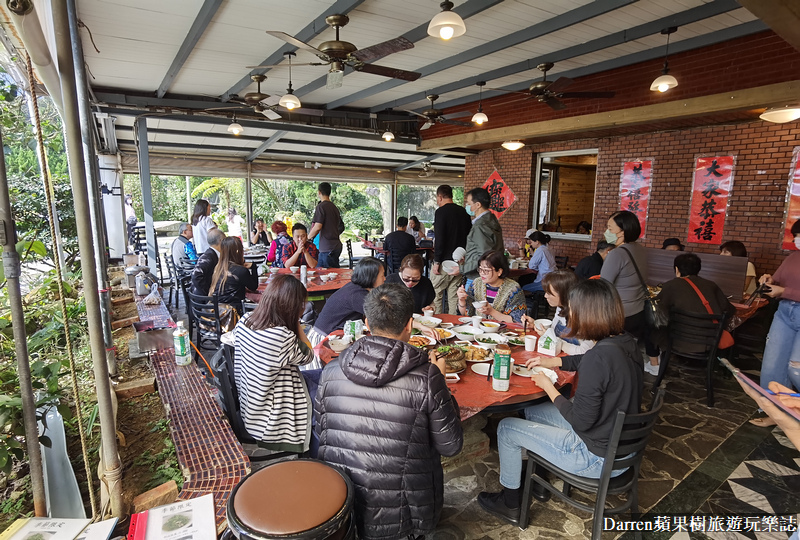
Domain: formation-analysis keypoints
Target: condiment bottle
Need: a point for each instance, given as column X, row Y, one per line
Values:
column 501, row 368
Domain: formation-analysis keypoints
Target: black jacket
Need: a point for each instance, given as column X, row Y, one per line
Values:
column 239, row 280
column 384, row 413
column 398, row 244
column 589, row 266
column 204, row 271
column 451, row 224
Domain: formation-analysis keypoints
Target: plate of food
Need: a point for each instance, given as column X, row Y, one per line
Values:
column 490, row 341
column 443, row 333
column 523, row 371
column 467, row 333
column 421, row 341
column 490, row 326
column 475, row 354
column 453, row 358
column 430, row 322
column 465, row 320
column 516, row 341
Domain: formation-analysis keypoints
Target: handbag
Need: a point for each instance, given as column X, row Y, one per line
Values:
column 654, row 316
column 725, row 339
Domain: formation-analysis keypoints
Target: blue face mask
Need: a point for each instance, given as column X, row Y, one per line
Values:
column 469, row 210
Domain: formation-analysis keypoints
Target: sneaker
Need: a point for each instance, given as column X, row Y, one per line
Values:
column 495, row 505
column 651, row 369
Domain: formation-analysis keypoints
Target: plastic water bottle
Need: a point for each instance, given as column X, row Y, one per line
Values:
column 181, row 339
column 303, row 274
column 142, row 259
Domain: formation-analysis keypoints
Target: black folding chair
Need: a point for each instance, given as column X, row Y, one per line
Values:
column 626, row 445
column 561, row 261
column 349, row 244
column 168, row 280
column 700, row 329
column 205, row 311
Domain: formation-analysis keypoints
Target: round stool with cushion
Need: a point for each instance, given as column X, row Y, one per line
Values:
column 303, row 499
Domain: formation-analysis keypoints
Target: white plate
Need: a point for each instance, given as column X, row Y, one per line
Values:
column 430, row 322
column 481, row 369
column 447, row 325
column 522, row 371
column 449, row 266
column 465, row 320
column 446, row 334
column 431, row 341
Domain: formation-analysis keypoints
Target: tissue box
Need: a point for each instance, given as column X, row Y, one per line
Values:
column 549, row 344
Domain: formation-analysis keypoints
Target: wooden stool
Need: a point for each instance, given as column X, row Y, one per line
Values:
column 302, row 499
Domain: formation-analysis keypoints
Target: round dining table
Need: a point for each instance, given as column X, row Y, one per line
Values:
column 314, row 283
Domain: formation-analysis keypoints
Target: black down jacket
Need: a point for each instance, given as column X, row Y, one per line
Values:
column 384, row 413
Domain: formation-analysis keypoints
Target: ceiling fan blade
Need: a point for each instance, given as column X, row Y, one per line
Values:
column 504, row 103
column 293, row 41
column 272, row 115
column 389, row 72
column 287, row 65
column 271, row 100
column 426, row 125
column 334, row 80
column 454, row 122
column 370, row 54
column 586, row 94
column 414, row 113
column 458, row 114
column 559, row 84
column 309, row 112
column 553, row 103
column 507, row 91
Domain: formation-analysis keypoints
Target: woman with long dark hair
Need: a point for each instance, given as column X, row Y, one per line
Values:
column 416, row 229
column 201, row 224
column 232, row 275
column 573, row 434
column 542, row 260
column 270, row 345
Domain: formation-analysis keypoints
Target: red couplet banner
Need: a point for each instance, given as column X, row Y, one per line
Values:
column 634, row 189
column 713, row 180
column 501, row 196
column 793, row 207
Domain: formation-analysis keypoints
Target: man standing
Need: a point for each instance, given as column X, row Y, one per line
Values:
column 399, row 244
column 485, row 234
column 384, row 413
column 183, row 252
column 326, row 223
column 204, row 269
column 451, row 224
column 130, row 219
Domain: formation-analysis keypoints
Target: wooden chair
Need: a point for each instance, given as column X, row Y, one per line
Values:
column 561, row 261
column 205, row 312
column 626, row 445
column 699, row 329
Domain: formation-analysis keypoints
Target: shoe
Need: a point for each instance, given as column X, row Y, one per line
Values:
column 539, row 492
column 495, row 505
column 651, row 369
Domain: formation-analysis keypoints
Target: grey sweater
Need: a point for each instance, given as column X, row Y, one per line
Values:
column 619, row 270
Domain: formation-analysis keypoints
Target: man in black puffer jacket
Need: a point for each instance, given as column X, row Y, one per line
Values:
column 384, row 413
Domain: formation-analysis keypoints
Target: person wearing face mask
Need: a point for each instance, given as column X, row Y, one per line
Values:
column 623, row 232
column 485, row 234
column 781, row 362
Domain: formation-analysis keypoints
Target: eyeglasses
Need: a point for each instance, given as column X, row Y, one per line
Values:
column 408, row 279
column 485, row 270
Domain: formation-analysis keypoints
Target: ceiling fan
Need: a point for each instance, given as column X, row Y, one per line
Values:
column 266, row 104
column 434, row 116
column 549, row 92
column 427, row 170
column 339, row 54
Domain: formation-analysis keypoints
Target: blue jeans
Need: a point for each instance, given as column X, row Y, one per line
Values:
column 329, row 259
column 546, row 433
column 782, row 354
column 533, row 287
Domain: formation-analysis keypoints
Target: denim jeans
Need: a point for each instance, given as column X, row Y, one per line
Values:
column 782, row 352
column 329, row 259
column 533, row 287
column 546, row 433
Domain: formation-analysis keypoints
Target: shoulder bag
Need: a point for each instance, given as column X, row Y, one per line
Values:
column 655, row 317
column 725, row 339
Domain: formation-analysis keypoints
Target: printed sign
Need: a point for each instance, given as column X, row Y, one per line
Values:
column 634, row 189
column 500, row 194
column 713, row 180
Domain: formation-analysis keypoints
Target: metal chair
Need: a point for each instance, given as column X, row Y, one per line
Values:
column 185, row 283
column 168, row 280
column 702, row 330
column 205, row 311
column 561, row 261
column 626, row 445
column 536, row 304
column 248, row 306
column 349, row 244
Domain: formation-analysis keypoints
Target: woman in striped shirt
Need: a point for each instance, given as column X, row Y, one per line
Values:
column 270, row 345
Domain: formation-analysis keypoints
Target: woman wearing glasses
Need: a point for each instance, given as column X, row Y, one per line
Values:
column 410, row 275
column 505, row 301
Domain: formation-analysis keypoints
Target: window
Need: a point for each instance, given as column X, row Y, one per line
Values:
column 565, row 190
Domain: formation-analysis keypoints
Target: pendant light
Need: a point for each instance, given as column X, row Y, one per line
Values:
column 289, row 100
column 513, row 145
column 388, row 136
column 479, row 117
column 665, row 81
column 781, row 115
column 447, row 24
column 235, row 127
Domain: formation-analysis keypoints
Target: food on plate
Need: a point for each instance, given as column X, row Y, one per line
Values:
column 453, row 358
column 490, row 324
column 476, row 354
column 485, row 339
column 418, row 341
column 516, row 341
column 443, row 334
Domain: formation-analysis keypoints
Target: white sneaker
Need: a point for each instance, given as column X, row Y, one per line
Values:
column 651, row 369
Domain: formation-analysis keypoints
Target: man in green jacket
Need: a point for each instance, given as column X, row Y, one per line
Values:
column 485, row 234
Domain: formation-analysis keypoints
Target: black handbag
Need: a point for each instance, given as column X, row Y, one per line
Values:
column 655, row 317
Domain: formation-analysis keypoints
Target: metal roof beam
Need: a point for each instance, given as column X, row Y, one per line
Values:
column 418, row 162
column 311, row 30
column 201, row 22
column 559, row 22
column 698, row 42
column 678, row 19
column 465, row 10
column 277, row 136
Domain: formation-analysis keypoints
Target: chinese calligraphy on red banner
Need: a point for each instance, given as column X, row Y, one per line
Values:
column 793, row 208
column 634, row 189
column 501, row 196
column 713, row 179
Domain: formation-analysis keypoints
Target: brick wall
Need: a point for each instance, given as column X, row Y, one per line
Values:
column 756, row 206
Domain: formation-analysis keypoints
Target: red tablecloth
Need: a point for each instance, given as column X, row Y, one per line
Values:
column 474, row 393
column 314, row 285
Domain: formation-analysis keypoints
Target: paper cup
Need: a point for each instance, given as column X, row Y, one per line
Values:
column 428, row 313
column 530, row 343
column 476, row 321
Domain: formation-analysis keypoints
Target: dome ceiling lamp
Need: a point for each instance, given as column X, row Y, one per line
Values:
column 235, row 127
column 447, row 23
column 665, row 81
column 781, row 115
column 289, row 100
column 480, row 117
column 513, row 145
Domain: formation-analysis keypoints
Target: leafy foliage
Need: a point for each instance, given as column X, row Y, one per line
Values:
column 363, row 219
column 164, row 464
